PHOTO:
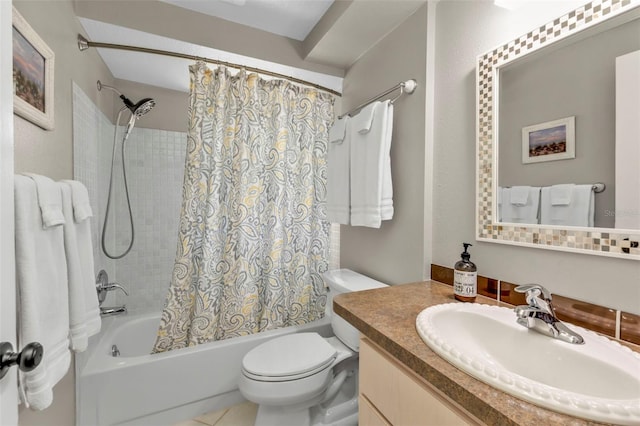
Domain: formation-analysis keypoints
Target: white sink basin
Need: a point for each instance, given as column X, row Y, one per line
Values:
column 598, row 380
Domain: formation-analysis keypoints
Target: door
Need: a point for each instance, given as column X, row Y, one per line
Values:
column 8, row 385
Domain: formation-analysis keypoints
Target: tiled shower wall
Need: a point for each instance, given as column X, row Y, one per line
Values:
column 91, row 132
column 155, row 168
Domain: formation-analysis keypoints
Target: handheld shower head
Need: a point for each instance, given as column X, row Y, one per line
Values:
column 139, row 109
column 143, row 107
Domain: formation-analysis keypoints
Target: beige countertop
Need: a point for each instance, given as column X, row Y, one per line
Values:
column 387, row 317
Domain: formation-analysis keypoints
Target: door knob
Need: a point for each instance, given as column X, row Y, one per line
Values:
column 27, row 360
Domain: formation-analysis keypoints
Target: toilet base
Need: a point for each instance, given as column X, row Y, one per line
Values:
column 341, row 410
column 270, row 415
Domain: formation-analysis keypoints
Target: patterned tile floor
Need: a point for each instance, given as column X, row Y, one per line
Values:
column 239, row 415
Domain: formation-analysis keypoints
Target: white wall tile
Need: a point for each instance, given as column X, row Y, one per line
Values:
column 154, row 166
column 155, row 175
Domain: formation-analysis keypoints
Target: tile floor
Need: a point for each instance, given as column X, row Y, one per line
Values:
column 243, row 414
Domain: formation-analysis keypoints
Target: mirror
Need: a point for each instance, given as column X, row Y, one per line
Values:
column 533, row 142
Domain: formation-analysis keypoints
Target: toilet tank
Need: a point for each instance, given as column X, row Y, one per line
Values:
column 346, row 281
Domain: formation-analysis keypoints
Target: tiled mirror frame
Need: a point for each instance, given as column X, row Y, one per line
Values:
column 598, row 241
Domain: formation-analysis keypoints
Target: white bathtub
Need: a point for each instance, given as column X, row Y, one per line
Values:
column 137, row 388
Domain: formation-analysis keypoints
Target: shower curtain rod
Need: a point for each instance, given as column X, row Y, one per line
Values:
column 408, row 86
column 84, row 44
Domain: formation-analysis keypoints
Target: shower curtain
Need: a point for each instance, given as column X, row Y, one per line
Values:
column 253, row 238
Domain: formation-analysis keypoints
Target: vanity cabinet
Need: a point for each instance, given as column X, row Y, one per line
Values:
column 391, row 394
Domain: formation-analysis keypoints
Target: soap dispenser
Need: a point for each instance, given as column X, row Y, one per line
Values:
column 465, row 278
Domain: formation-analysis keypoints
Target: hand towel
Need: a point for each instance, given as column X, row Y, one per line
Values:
column 80, row 201
column 43, row 301
column 337, row 132
column 386, row 205
column 580, row 211
column 84, row 313
column 370, row 165
column 364, row 119
column 513, row 209
column 519, row 195
column 338, row 179
column 49, row 200
column 561, row 194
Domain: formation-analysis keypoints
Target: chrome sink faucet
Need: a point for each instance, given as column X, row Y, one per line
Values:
column 540, row 315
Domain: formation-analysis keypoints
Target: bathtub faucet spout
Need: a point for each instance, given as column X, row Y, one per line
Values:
column 116, row 310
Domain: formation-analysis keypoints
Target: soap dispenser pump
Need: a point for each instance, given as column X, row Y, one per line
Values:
column 465, row 277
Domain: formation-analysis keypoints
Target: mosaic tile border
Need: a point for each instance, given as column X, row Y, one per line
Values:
column 605, row 242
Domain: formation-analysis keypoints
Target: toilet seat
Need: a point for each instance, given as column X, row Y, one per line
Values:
column 306, row 354
column 292, row 388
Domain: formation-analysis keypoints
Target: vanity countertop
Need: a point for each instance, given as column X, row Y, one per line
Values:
column 387, row 317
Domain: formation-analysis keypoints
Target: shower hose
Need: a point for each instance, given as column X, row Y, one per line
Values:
column 126, row 190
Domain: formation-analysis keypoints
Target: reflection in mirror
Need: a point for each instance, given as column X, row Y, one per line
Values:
column 558, row 113
column 542, row 99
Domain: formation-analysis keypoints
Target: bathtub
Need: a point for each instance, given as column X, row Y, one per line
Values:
column 137, row 388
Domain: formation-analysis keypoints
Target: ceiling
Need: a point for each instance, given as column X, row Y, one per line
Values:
column 289, row 18
column 315, row 40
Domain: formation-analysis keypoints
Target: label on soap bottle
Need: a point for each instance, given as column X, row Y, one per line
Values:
column 465, row 283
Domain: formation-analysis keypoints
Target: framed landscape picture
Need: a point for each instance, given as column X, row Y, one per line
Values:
column 553, row 140
column 33, row 63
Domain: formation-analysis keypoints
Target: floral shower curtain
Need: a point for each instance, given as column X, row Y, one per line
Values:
column 253, row 238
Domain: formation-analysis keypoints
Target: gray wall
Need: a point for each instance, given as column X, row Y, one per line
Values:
column 466, row 29
column 577, row 80
column 394, row 253
column 35, row 148
column 51, row 152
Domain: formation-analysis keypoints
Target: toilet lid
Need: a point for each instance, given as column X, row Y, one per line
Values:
column 289, row 355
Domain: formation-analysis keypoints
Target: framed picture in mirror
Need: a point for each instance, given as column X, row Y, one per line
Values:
column 553, row 140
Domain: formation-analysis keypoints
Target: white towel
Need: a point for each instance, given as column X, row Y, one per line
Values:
column 338, row 179
column 84, row 313
column 386, row 205
column 519, row 195
column 561, row 194
column 43, row 301
column 371, row 189
column 49, row 200
column 520, row 204
column 580, row 211
column 80, row 201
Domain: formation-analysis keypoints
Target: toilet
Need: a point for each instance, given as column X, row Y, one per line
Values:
column 304, row 379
